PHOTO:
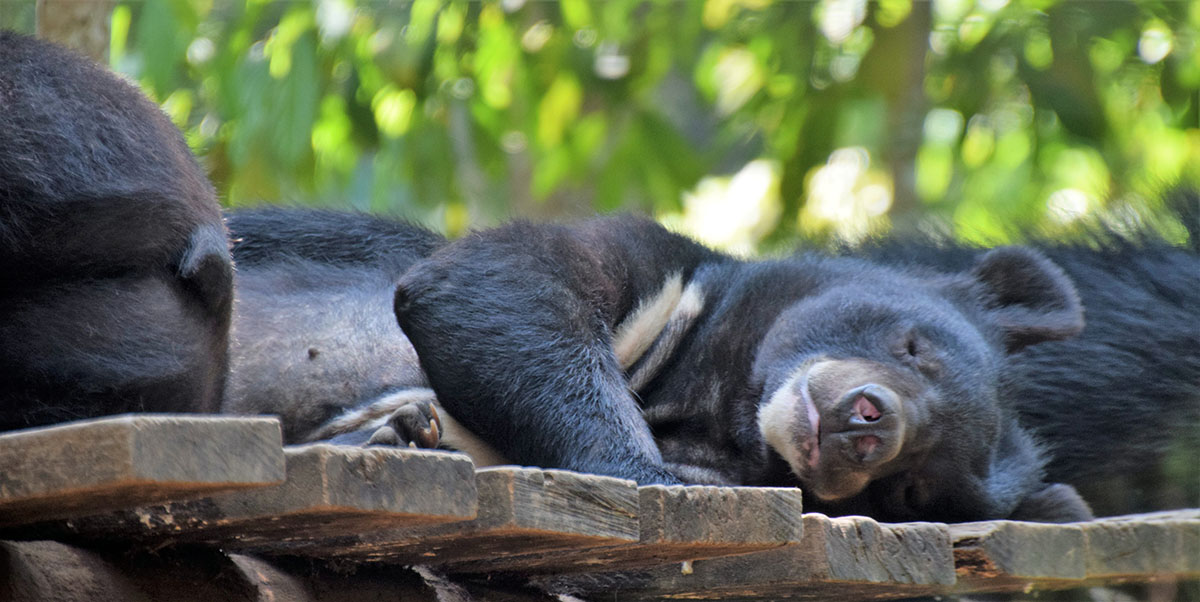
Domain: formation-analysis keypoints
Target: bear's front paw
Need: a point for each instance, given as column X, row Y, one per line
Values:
column 414, row 425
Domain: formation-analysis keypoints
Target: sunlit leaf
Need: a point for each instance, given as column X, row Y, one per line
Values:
column 496, row 58
column 451, row 22
column 1013, row 148
column 1038, row 50
column 889, row 13
column 588, row 134
column 979, row 142
column 293, row 103
column 558, row 108
column 420, row 25
column 178, row 107
column 550, row 170
column 161, row 45
column 393, row 110
column 118, row 35
column 935, row 167
column 576, row 13
column 1021, row 114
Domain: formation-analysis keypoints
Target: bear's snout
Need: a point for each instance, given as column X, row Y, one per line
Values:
column 866, row 425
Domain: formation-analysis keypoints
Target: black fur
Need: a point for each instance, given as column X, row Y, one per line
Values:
column 514, row 330
column 513, row 327
column 314, row 333
column 327, row 237
column 115, row 277
column 1110, row 405
column 887, row 388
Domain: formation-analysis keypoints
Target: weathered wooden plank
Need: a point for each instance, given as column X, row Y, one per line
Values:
column 331, row 491
column 1021, row 550
column 1144, row 547
column 273, row 582
column 47, row 571
column 123, row 461
column 293, row 582
column 1000, row 556
column 521, row 511
column 849, row 558
column 678, row 523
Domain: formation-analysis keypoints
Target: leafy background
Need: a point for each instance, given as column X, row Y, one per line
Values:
column 745, row 122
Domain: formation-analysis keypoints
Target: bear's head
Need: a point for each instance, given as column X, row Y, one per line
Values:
column 880, row 390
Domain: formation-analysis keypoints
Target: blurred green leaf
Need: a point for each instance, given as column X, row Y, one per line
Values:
column 994, row 118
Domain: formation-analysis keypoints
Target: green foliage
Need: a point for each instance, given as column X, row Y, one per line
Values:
column 829, row 118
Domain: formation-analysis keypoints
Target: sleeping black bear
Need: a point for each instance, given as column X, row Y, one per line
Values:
column 614, row 346
column 1118, row 408
column 609, row 346
column 115, row 276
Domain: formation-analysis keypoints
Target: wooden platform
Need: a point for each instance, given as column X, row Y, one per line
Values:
column 206, row 508
column 124, row 461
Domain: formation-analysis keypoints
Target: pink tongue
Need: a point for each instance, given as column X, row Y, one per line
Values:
column 863, row 407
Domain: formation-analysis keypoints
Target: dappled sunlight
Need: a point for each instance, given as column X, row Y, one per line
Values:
column 846, row 196
column 1155, row 43
column 739, row 78
column 1069, row 204
column 992, row 117
column 838, row 18
column 732, row 213
column 610, row 62
column 334, row 18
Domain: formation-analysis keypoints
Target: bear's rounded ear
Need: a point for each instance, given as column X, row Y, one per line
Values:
column 1027, row 296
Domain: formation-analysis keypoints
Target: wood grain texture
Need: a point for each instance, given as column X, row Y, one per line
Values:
column 331, row 491
column 1020, row 550
column 96, row 465
column 521, row 511
column 278, row 581
column 1006, row 556
column 47, row 571
column 850, row 558
column 1163, row 544
column 677, row 523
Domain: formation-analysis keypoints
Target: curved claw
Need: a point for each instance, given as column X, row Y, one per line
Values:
column 418, row 424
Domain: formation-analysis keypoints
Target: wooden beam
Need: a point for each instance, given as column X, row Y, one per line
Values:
column 96, row 465
column 1006, row 556
column 849, row 558
column 1018, row 556
column 1161, row 545
column 677, row 523
column 331, row 492
column 279, row 580
column 521, row 511
column 44, row 571
column 47, row 571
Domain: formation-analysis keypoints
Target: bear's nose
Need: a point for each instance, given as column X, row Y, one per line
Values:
column 865, row 410
column 868, row 424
